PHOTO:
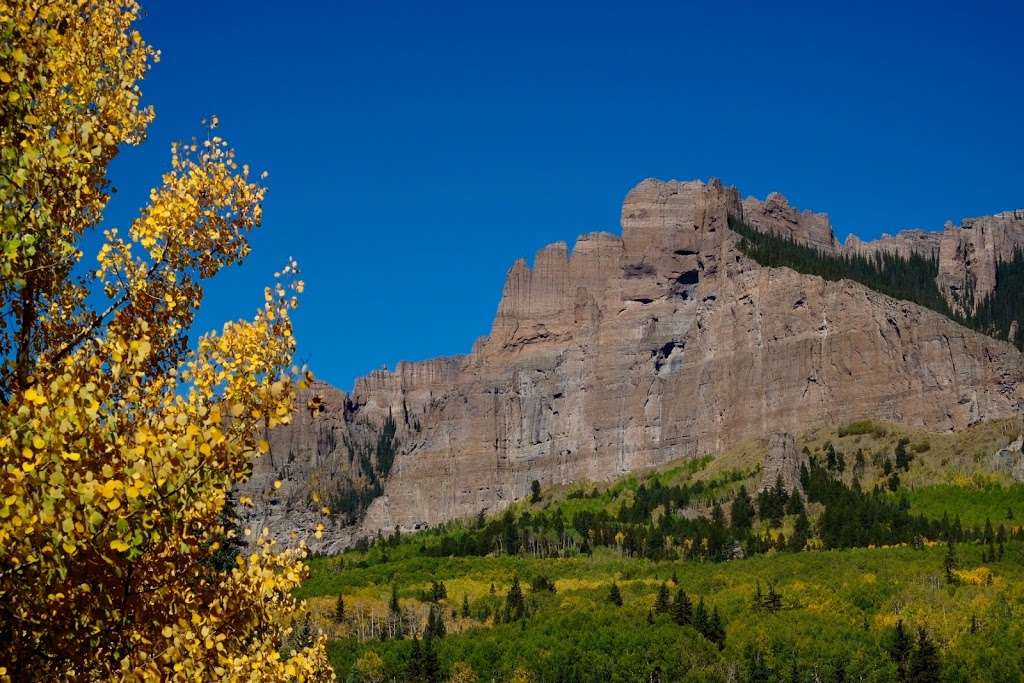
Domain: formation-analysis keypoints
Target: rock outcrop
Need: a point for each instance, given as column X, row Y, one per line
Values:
column 782, row 462
column 775, row 215
column 904, row 243
column 1011, row 459
column 969, row 254
column 626, row 353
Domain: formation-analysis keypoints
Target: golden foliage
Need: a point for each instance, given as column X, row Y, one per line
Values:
column 119, row 445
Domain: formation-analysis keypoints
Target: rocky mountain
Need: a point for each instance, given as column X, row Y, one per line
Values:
column 629, row 352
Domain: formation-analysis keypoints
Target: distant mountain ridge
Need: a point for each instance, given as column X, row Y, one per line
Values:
column 629, row 352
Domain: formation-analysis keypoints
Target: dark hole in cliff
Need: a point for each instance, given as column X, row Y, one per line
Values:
column 685, row 284
column 685, row 252
column 558, row 395
column 642, row 301
column 670, row 350
column 690, row 277
column 637, row 269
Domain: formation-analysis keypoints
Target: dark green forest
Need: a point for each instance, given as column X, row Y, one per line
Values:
column 911, row 278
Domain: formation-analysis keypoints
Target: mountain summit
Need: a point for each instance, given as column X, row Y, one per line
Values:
column 629, row 352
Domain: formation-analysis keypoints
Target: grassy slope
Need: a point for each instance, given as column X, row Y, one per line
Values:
column 830, row 596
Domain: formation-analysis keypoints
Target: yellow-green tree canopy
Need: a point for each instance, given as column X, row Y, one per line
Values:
column 118, row 443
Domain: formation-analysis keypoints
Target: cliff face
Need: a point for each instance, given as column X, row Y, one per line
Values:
column 628, row 353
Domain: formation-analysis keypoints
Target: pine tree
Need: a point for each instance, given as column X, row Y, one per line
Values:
column 903, row 456
column 465, row 606
column 700, row 616
column 924, row 662
column 535, row 491
column 801, row 530
column 950, row 564
column 414, row 664
column 900, row 650
column 716, row 630
column 795, row 506
column 675, row 579
column 741, row 513
column 435, row 623
column 682, row 608
column 430, row 666
column 305, row 638
column 661, row 605
column 393, row 604
column 515, row 607
column 614, row 595
column 339, row 609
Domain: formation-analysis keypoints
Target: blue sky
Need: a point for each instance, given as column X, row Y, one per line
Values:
column 415, row 149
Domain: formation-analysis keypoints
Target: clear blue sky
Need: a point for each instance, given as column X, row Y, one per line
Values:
column 417, row 149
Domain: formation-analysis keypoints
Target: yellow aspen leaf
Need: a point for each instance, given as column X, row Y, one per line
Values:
column 119, row 545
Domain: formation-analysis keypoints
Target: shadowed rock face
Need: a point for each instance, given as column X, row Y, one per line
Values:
column 626, row 353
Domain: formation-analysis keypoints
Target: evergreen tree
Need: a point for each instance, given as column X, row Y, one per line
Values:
column 414, row 664
column 795, row 506
column 903, row 456
column 682, row 608
column 700, row 616
column 435, row 623
column 742, row 512
column 924, row 663
column 661, row 604
column 900, row 650
column 430, row 666
column 304, row 638
column 515, row 606
column 465, row 606
column 614, row 595
column 675, row 579
column 393, row 605
column 716, row 630
column 535, row 491
column 230, row 541
column 801, row 530
column 339, row 609
column 950, row 564
column 832, row 462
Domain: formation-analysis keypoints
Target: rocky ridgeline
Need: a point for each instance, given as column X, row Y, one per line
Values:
column 629, row 352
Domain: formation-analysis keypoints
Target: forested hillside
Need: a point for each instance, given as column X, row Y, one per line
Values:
column 874, row 568
column 909, row 278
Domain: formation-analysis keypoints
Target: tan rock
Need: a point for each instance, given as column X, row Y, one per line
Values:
column 783, row 461
column 629, row 353
column 968, row 255
column 775, row 215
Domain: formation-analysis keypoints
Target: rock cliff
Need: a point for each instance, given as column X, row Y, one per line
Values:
column 626, row 353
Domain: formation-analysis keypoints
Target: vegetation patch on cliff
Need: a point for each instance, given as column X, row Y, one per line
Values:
column 910, row 278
